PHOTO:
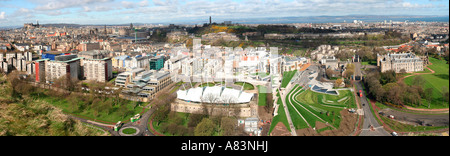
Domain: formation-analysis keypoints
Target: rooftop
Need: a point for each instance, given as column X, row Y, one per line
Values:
column 214, row 94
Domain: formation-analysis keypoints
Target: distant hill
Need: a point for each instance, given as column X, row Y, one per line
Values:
column 278, row 20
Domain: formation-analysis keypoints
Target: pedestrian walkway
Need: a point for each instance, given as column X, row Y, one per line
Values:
column 288, row 116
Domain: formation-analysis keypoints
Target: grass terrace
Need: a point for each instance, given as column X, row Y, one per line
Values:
column 307, row 107
column 435, row 81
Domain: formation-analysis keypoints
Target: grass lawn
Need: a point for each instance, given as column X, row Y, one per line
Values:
column 314, row 105
column 111, row 117
column 262, row 94
column 435, row 81
column 297, row 120
column 281, row 117
column 247, row 86
column 369, row 63
column 287, row 76
column 129, row 131
column 207, row 85
column 175, row 89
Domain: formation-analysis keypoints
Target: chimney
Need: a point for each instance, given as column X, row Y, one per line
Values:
column 210, row 21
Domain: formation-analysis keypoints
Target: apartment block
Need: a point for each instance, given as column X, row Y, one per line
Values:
column 56, row 69
column 98, row 69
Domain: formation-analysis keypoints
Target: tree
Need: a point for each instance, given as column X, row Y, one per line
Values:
column 210, row 98
column 418, row 81
column 194, row 119
column 444, row 95
column 411, row 95
column 107, row 106
column 388, row 77
column 205, row 128
column 338, row 82
column 329, row 73
column 182, row 130
column 349, row 72
column 348, row 83
column 375, row 88
column 228, row 126
column 428, row 95
column 161, row 114
column 96, row 106
column 172, row 128
column 393, row 93
column 66, row 82
column 18, row 86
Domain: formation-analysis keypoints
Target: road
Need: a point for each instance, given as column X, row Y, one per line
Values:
column 141, row 124
column 370, row 126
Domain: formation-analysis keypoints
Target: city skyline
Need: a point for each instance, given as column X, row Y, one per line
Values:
column 15, row 13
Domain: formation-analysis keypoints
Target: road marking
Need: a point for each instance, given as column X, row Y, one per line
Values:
column 360, row 112
column 370, row 129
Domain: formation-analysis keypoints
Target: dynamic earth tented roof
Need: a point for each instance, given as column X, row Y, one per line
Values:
column 214, row 95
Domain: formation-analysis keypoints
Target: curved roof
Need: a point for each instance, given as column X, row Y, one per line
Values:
column 214, row 94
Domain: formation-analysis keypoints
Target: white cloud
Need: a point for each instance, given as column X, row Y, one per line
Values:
column 2, row 15
column 130, row 5
column 143, row 3
column 192, row 10
column 58, row 4
column 86, row 9
column 165, row 2
column 103, row 8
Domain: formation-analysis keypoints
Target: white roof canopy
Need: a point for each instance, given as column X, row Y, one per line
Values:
column 214, row 94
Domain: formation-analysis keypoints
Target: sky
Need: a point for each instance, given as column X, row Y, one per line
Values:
column 17, row 12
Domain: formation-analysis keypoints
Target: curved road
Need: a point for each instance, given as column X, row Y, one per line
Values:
column 141, row 124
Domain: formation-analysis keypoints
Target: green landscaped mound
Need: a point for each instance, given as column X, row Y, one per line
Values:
column 320, row 107
column 435, row 81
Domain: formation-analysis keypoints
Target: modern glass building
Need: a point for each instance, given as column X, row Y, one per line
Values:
column 157, row 63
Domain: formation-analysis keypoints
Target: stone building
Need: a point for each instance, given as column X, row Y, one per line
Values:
column 407, row 61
